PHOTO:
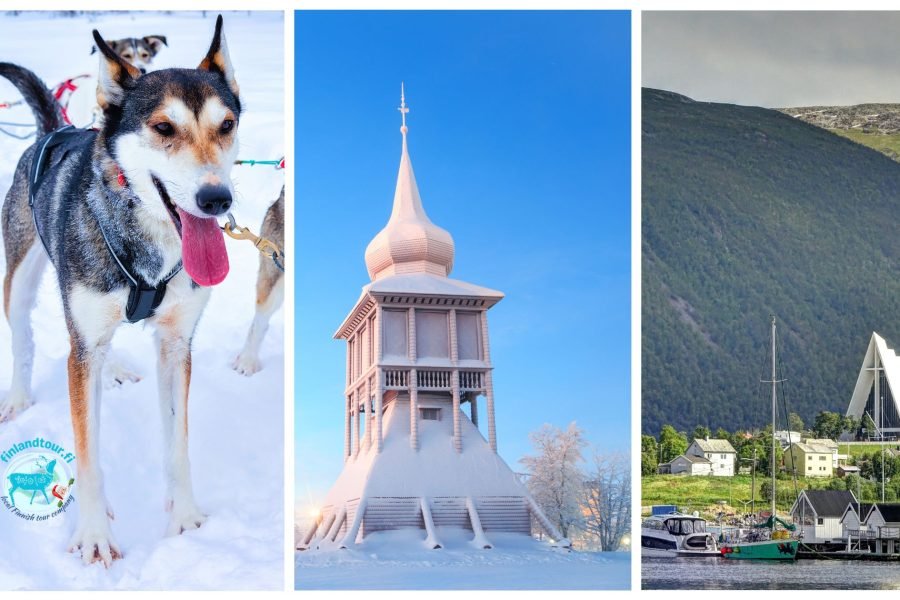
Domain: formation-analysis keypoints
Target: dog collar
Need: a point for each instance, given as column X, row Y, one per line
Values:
column 120, row 177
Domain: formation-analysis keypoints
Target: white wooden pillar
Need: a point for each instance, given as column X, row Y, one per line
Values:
column 352, row 427
column 379, row 394
column 489, row 394
column 485, row 342
column 411, row 329
column 413, row 410
column 379, row 377
column 357, row 420
column 488, row 382
column 413, row 383
column 454, row 351
column 454, row 389
column 473, row 405
column 349, row 363
column 454, row 382
column 351, row 351
column 346, row 427
column 370, row 418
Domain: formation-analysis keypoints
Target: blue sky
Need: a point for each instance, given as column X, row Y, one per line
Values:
column 519, row 133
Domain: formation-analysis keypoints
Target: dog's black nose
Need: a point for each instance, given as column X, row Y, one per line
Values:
column 143, row 71
column 214, row 199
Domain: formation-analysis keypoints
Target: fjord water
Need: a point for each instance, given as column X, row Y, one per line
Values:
column 722, row 574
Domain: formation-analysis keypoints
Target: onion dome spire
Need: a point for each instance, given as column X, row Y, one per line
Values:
column 410, row 242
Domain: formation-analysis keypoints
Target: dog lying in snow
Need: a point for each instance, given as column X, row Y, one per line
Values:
column 127, row 216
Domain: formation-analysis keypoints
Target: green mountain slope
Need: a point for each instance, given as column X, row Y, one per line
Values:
column 748, row 212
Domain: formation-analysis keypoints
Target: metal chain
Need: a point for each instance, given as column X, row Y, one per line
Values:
column 266, row 246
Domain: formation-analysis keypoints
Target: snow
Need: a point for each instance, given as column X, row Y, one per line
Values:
column 398, row 560
column 428, row 284
column 403, row 559
column 236, row 423
column 435, row 469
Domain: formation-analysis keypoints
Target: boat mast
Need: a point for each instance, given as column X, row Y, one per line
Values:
column 753, row 486
column 773, row 423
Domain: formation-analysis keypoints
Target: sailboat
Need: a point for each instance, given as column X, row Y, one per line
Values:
column 774, row 544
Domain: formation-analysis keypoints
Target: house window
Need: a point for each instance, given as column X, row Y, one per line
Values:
column 821, row 458
column 430, row 414
column 820, row 521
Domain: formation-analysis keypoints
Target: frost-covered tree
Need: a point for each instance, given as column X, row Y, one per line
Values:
column 556, row 481
column 608, row 499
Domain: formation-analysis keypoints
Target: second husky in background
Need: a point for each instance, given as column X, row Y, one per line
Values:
column 138, row 52
column 269, row 290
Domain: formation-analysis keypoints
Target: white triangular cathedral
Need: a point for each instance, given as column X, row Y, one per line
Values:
column 874, row 393
column 417, row 354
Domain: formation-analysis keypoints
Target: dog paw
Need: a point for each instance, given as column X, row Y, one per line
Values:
column 13, row 405
column 185, row 520
column 96, row 544
column 116, row 375
column 246, row 364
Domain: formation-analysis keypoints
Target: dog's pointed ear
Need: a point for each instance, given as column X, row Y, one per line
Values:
column 155, row 41
column 115, row 75
column 217, row 60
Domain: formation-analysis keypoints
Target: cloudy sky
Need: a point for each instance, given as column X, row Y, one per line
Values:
column 774, row 59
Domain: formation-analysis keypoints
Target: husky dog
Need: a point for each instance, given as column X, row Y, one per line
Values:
column 269, row 291
column 139, row 52
column 119, row 212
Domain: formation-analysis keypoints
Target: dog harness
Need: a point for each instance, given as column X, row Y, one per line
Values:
column 143, row 298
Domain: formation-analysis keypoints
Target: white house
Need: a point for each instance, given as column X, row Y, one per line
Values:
column 786, row 438
column 853, row 520
column 687, row 464
column 819, row 514
column 884, row 519
column 720, row 453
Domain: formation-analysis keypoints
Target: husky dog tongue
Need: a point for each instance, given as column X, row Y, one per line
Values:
column 203, row 249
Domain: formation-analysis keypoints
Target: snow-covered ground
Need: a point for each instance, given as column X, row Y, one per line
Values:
column 236, row 423
column 397, row 560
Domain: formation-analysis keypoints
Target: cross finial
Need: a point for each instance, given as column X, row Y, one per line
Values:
column 403, row 110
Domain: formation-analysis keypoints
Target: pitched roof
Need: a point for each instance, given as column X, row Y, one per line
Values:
column 864, row 508
column 691, row 458
column 825, row 442
column 812, row 448
column 714, row 445
column 829, row 503
column 889, row 511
